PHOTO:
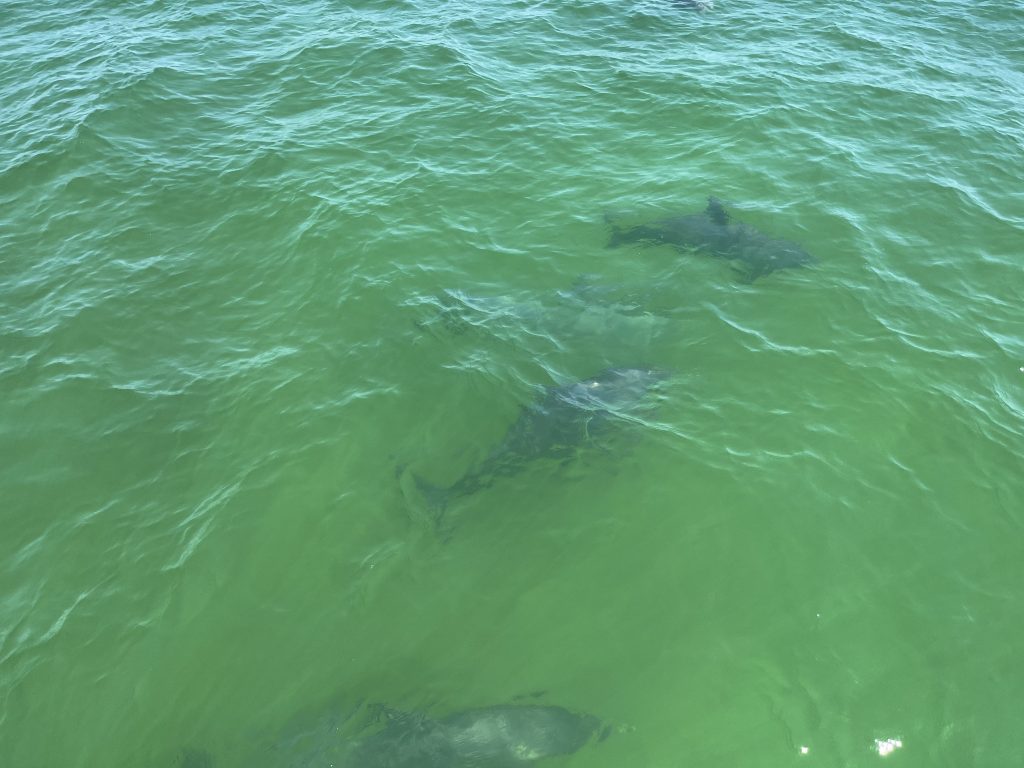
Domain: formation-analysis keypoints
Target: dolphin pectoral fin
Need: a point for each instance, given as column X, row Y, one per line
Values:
column 747, row 273
column 745, row 276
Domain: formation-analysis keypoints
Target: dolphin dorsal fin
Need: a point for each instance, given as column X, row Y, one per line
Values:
column 717, row 211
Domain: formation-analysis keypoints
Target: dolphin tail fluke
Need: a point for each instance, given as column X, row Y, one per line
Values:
column 425, row 500
column 620, row 235
column 614, row 217
column 435, row 496
column 620, row 232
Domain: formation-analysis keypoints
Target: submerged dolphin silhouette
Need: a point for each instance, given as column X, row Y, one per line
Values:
column 554, row 426
column 501, row 736
column 505, row 736
column 586, row 313
column 714, row 232
column 697, row 5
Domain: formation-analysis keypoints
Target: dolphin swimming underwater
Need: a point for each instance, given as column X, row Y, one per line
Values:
column 555, row 426
column 753, row 253
column 504, row 736
column 501, row 736
column 585, row 314
column 698, row 5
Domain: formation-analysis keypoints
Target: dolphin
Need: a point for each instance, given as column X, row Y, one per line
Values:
column 697, row 5
column 555, row 427
column 504, row 736
column 753, row 253
column 376, row 736
column 586, row 313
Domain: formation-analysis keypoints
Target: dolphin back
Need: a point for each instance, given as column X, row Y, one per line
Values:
column 504, row 736
column 713, row 231
column 509, row 735
column 409, row 740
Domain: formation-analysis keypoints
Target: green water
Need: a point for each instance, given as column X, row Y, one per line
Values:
column 259, row 263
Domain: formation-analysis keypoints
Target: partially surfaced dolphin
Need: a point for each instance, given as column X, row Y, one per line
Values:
column 713, row 231
column 555, row 427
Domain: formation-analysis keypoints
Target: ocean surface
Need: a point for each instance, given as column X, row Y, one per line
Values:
column 275, row 276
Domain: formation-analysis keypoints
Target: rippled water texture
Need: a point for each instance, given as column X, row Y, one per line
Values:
column 270, row 274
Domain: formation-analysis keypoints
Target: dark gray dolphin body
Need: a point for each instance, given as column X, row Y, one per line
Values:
column 553, row 427
column 713, row 231
column 506, row 736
